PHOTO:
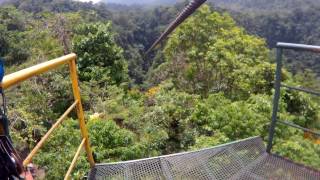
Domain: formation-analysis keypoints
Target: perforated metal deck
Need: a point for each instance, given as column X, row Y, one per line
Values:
column 246, row 159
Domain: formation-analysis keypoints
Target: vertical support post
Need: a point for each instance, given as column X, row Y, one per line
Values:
column 76, row 93
column 277, row 86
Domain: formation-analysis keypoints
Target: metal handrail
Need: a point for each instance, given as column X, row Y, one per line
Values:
column 17, row 77
column 277, row 86
column 299, row 127
column 23, row 75
column 301, row 89
column 302, row 47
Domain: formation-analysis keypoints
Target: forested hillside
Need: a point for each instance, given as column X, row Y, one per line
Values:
column 209, row 83
column 294, row 21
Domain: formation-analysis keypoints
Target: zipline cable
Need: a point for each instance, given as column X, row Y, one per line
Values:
column 187, row 11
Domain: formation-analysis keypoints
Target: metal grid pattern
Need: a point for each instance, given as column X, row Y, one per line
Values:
column 246, row 159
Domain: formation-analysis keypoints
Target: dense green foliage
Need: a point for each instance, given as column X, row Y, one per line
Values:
column 100, row 58
column 218, row 65
column 209, row 84
column 292, row 21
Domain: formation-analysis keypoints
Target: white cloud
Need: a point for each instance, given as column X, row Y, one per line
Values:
column 94, row 1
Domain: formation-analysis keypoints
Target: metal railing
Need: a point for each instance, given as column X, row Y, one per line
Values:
column 20, row 76
column 277, row 86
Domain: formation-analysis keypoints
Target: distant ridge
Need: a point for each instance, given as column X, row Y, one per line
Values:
column 265, row 5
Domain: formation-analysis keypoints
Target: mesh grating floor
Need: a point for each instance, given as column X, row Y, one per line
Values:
column 246, row 159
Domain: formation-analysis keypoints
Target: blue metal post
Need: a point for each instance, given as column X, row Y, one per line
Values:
column 276, row 99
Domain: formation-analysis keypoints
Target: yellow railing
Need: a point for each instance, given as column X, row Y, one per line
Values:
column 20, row 76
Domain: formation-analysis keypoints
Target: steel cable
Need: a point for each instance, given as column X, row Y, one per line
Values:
column 187, row 11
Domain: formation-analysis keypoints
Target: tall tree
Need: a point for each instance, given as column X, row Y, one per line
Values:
column 99, row 57
column 209, row 53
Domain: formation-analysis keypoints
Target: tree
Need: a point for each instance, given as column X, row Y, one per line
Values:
column 4, row 44
column 99, row 57
column 209, row 53
column 292, row 21
column 12, row 26
column 170, row 117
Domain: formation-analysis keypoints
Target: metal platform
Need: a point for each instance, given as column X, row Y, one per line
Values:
column 246, row 159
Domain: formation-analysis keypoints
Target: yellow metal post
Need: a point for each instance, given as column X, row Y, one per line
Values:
column 73, row 163
column 77, row 97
